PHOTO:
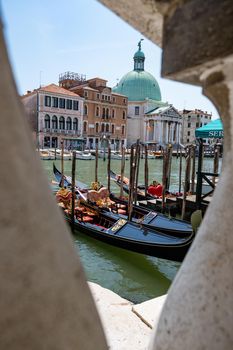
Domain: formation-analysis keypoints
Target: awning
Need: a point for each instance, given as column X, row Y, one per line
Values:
column 212, row 130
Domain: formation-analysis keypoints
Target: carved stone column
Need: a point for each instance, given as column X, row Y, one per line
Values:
column 198, row 310
column 45, row 302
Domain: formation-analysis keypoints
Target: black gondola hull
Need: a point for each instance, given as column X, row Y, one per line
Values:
column 140, row 240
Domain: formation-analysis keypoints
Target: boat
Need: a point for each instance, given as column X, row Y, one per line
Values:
column 149, row 218
column 84, row 155
column 114, row 155
column 67, row 180
column 129, row 235
column 140, row 193
column 45, row 154
column 118, row 209
column 57, row 154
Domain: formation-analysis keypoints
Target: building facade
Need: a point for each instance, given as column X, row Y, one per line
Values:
column 162, row 126
column 191, row 120
column 104, row 111
column 55, row 115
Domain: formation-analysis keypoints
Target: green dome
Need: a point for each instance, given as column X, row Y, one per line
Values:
column 139, row 54
column 138, row 85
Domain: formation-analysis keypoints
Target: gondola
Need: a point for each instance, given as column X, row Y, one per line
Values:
column 128, row 235
column 152, row 219
column 67, row 180
column 140, row 193
column 142, row 216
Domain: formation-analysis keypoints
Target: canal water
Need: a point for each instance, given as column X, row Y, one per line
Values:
column 133, row 276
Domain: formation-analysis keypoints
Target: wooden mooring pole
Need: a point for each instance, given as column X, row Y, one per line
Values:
column 109, row 165
column 193, row 156
column 62, row 164
column 216, row 162
column 131, row 183
column 73, row 190
column 186, row 184
column 96, row 162
column 137, row 163
column 180, row 169
column 169, row 165
column 122, row 169
column 146, row 170
column 165, row 161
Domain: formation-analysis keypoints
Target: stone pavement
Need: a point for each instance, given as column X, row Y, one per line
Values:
column 126, row 326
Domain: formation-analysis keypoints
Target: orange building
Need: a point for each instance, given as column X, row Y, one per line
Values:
column 104, row 112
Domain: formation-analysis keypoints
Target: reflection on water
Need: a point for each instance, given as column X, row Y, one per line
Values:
column 133, row 276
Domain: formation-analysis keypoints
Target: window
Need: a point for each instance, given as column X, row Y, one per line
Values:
column 114, row 99
column 62, row 123
column 136, row 110
column 47, row 121
column 187, row 140
column 54, row 122
column 105, row 97
column 55, row 102
column 189, row 125
column 122, row 129
column 68, row 124
column 123, row 115
column 97, row 111
column 96, row 127
column 75, row 124
column 98, row 96
column 103, row 113
column 108, row 98
column 47, row 101
column 113, row 113
column 62, row 103
column 102, row 127
column 85, row 110
column 47, row 141
column 68, row 104
column 54, row 142
column 107, row 113
column 197, row 125
column 124, row 100
column 107, row 127
column 86, row 93
column 113, row 128
column 85, row 127
column 188, row 133
column 75, row 105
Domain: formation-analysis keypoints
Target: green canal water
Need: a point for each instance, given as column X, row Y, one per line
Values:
column 133, row 276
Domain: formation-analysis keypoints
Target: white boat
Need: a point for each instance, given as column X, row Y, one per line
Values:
column 114, row 155
column 45, row 154
column 84, row 155
column 57, row 154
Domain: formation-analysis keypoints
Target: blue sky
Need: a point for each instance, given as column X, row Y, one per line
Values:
column 48, row 37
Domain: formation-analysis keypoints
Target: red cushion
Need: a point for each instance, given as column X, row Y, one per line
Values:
column 121, row 211
column 87, row 219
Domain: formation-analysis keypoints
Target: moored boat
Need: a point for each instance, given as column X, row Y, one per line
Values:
column 128, row 235
column 84, row 155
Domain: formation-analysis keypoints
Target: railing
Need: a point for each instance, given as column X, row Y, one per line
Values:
column 62, row 131
column 204, row 177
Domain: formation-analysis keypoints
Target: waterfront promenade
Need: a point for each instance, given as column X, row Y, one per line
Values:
column 126, row 325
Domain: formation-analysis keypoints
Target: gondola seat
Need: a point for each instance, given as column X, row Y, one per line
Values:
column 121, row 211
column 87, row 218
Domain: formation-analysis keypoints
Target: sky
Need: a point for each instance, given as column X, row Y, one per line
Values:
column 48, row 37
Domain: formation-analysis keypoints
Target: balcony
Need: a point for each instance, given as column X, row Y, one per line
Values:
column 61, row 131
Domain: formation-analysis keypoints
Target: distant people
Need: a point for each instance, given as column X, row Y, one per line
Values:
column 155, row 189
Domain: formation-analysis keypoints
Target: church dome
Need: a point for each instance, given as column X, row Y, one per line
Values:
column 138, row 84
